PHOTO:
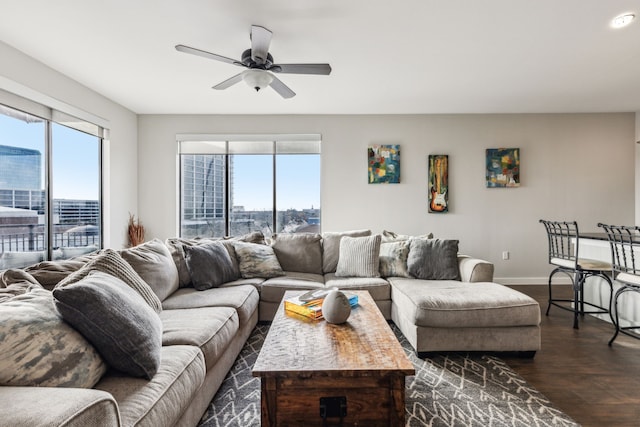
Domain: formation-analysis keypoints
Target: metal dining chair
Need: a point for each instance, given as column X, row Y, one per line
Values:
column 625, row 248
column 564, row 256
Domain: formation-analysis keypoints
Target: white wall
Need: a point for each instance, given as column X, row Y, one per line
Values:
column 578, row 166
column 121, row 172
column 574, row 166
column 637, row 193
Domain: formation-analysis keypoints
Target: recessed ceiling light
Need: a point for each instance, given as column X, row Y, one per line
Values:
column 622, row 20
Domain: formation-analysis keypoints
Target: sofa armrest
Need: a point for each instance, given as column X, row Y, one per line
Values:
column 474, row 269
column 57, row 406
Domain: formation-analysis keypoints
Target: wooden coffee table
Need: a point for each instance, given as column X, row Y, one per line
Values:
column 352, row 373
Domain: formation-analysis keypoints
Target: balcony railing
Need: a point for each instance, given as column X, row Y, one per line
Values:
column 35, row 240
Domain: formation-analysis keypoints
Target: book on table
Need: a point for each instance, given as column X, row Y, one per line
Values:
column 312, row 308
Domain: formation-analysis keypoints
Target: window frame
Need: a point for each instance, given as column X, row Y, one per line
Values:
column 222, row 144
column 50, row 110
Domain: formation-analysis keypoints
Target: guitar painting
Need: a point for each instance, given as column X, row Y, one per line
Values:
column 438, row 183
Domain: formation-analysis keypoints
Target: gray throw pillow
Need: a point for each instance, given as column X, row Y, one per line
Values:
column 393, row 259
column 359, row 257
column 301, row 252
column 116, row 320
column 110, row 262
column 433, row 259
column 257, row 261
column 209, row 265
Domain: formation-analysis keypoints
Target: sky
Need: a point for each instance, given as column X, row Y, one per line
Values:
column 298, row 181
column 76, row 171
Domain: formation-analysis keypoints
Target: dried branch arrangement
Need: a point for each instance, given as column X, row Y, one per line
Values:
column 136, row 231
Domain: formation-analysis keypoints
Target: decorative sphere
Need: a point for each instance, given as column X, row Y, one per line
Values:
column 335, row 307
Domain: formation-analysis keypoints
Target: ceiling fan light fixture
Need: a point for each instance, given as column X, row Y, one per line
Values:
column 622, row 20
column 257, row 79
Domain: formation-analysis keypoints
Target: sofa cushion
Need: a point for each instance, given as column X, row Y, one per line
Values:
column 38, row 406
column 433, row 259
column 359, row 257
column 331, row 247
column 273, row 290
column 453, row 304
column 116, row 320
column 301, row 252
column 393, row 259
column 209, row 328
column 210, row 265
column 153, row 262
column 243, row 298
column 110, row 262
column 378, row 288
column 255, row 260
column 162, row 400
column 37, row 348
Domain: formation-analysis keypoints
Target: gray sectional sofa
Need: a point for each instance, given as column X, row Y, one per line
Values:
column 206, row 296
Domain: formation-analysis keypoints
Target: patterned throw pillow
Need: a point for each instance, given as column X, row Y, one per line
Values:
column 390, row 236
column 256, row 260
column 116, row 320
column 39, row 349
column 393, row 259
column 110, row 262
column 359, row 257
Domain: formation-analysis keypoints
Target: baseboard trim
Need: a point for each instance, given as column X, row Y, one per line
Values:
column 531, row 280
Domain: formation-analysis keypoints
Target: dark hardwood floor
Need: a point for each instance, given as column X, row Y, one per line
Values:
column 595, row 384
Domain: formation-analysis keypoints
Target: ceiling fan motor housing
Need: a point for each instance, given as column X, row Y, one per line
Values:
column 250, row 63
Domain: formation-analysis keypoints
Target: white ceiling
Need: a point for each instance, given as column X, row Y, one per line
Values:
column 400, row 57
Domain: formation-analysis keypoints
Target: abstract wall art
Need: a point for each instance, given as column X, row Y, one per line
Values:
column 384, row 164
column 503, row 167
column 438, row 170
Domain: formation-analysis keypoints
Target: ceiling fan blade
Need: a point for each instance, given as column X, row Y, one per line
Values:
column 208, row 55
column 229, row 82
column 260, row 41
column 324, row 69
column 281, row 88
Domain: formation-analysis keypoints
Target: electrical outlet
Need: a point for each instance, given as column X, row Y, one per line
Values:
column 505, row 255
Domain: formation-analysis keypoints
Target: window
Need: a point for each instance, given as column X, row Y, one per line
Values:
column 233, row 185
column 50, row 186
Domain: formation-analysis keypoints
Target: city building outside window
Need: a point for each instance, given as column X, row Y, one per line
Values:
column 50, row 188
column 234, row 185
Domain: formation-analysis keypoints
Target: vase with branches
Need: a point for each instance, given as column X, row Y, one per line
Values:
column 135, row 231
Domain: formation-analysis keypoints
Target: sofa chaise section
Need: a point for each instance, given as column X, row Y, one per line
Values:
column 451, row 315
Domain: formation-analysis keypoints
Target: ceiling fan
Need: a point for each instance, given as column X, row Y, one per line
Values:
column 259, row 65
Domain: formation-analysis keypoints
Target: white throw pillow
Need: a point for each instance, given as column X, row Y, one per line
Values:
column 359, row 257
